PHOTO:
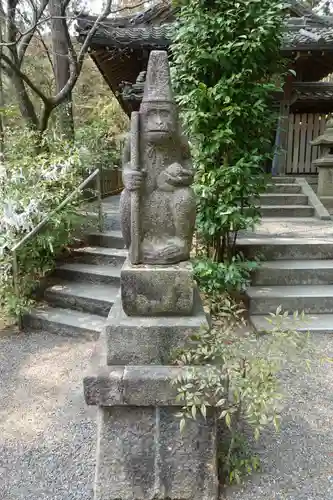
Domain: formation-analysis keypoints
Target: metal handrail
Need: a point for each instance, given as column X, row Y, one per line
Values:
column 96, row 174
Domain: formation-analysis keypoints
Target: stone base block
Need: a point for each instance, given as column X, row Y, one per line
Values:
column 135, row 385
column 148, row 290
column 143, row 456
column 325, row 180
column 149, row 340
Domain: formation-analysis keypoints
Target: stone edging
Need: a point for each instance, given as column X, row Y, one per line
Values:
column 320, row 211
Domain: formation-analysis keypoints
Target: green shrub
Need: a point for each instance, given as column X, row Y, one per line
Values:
column 215, row 278
column 102, row 133
column 225, row 54
column 32, row 185
column 238, row 375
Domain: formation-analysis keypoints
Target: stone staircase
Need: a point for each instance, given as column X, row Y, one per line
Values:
column 82, row 291
column 296, row 272
column 285, row 198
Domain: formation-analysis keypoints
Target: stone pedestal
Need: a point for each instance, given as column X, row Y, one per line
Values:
column 325, row 176
column 149, row 340
column 141, row 453
column 152, row 460
column 150, row 290
column 325, row 161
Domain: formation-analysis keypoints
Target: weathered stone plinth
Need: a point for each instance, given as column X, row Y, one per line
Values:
column 141, row 453
column 149, row 340
column 150, row 290
column 325, row 161
column 325, row 176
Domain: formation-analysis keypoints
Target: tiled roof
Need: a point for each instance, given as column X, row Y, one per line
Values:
column 303, row 32
column 151, row 28
column 304, row 38
column 318, row 91
column 150, row 36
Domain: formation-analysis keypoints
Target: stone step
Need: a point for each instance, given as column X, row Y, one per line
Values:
column 308, row 298
column 110, row 239
column 313, row 323
column 284, row 188
column 294, row 272
column 111, row 220
column 89, row 273
column 283, row 199
column 286, row 211
column 64, row 322
column 275, row 248
column 111, row 202
column 100, row 255
column 87, row 297
column 283, row 180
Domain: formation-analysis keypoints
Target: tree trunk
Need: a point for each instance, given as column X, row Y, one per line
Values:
column 26, row 107
column 61, row 67
column 2, row 97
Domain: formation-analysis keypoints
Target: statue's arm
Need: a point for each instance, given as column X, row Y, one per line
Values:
column 186, row 159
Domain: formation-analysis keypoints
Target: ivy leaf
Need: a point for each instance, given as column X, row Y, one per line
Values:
column 228, row 420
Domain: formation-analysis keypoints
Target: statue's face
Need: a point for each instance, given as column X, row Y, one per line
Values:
column 159, row 121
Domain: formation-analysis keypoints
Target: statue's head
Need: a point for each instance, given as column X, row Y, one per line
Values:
column 158, row 107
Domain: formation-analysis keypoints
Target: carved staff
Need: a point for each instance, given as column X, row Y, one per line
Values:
column 135, row 195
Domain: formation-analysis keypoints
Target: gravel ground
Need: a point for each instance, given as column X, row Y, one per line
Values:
column 48, row 435
column 297, row 462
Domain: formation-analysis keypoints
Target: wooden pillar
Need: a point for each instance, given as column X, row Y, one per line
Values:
column 283, row 126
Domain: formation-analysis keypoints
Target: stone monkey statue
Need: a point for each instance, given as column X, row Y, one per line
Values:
column 167, row 202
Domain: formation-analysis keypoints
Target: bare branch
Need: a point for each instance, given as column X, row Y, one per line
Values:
column 75, row 61
column 24, row 101
column 10, row 20
column 25, row 78
column 26, row 39
column 46, row 48
column 31, row 30
column 99, row 20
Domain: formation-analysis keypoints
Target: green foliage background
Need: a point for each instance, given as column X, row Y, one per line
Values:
column 226, row 54
column 33, row 181
column 226, row 58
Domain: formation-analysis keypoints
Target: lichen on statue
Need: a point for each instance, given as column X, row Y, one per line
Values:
column 167, row 202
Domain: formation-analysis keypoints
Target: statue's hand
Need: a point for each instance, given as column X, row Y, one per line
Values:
column 178, row 176
column 132, row 179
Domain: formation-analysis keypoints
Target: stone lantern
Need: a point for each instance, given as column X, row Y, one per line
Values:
column 325, row 160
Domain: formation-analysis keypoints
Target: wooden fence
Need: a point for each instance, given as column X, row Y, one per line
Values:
column 111, row 184
column 302, row 129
